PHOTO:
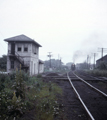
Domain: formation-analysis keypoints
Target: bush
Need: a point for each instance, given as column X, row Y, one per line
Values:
column 4, row 102
column 19, row 84
column 39, row 76
column 20, row 93
column 97, row 72
column 47, row 107
column 17, row 106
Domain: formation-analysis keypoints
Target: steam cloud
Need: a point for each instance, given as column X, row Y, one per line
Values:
column 88, row 47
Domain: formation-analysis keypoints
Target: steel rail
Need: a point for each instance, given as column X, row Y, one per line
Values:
column 85, row 107
column 105, row 95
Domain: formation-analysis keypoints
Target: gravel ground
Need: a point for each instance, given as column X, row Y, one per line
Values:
column 96, row 103
column 100, row 85
column 73, row 110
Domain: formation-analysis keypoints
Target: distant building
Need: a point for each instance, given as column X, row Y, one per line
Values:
column 69, row 65
column 25, row 51
column 53, row 63
column 103, row 59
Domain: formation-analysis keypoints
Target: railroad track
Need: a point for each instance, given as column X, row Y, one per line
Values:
column 93, row 100
column 86, row 75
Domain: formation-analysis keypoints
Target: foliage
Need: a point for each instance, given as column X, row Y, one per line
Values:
column 3, row 63
column 17, row 106
column 19, row 84
column 3, row 81
column 4, row 102
column 39, row 76
column 48, row 106
column 20, row 93
column 97, row 72
column 11, row 105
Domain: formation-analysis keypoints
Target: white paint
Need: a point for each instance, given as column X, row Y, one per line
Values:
column 41, row 68
column 31, row 59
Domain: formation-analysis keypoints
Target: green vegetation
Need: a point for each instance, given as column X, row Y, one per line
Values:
column 21, row 94
column 60, row 71
column 100, row 70
column 97, row 72
column 3, row 63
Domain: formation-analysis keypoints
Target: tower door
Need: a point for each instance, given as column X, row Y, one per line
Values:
column 12, row 48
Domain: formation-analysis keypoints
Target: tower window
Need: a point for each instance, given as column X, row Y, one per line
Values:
column 19, row 49
column 25, row 49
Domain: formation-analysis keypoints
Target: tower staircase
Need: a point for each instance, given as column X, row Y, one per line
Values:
column 16, row 56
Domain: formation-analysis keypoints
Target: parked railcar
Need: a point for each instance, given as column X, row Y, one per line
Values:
column 73, row 67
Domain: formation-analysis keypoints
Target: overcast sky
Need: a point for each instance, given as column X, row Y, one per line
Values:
column 71, row 28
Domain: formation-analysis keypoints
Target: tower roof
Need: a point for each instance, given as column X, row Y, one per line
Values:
column 21, row 38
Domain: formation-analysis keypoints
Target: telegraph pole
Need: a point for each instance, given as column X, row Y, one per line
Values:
column 102, row 50
column 60, row 63
column 94, row 59
column 87, row 60
column 50, row 57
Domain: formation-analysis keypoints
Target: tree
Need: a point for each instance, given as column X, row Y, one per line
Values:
column 3, row 62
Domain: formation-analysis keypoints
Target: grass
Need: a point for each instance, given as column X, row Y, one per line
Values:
column 44, row 96
column 96, row 72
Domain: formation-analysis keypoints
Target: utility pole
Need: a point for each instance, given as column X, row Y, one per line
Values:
column 60, row 63
column 102, row 53
column 50, row 57
column 102, row 50
column 94, row 59
column 87, row 60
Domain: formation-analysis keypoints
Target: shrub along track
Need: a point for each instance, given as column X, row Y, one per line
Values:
column 73, row 110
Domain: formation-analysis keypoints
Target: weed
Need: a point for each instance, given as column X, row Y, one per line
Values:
column 20, row 93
